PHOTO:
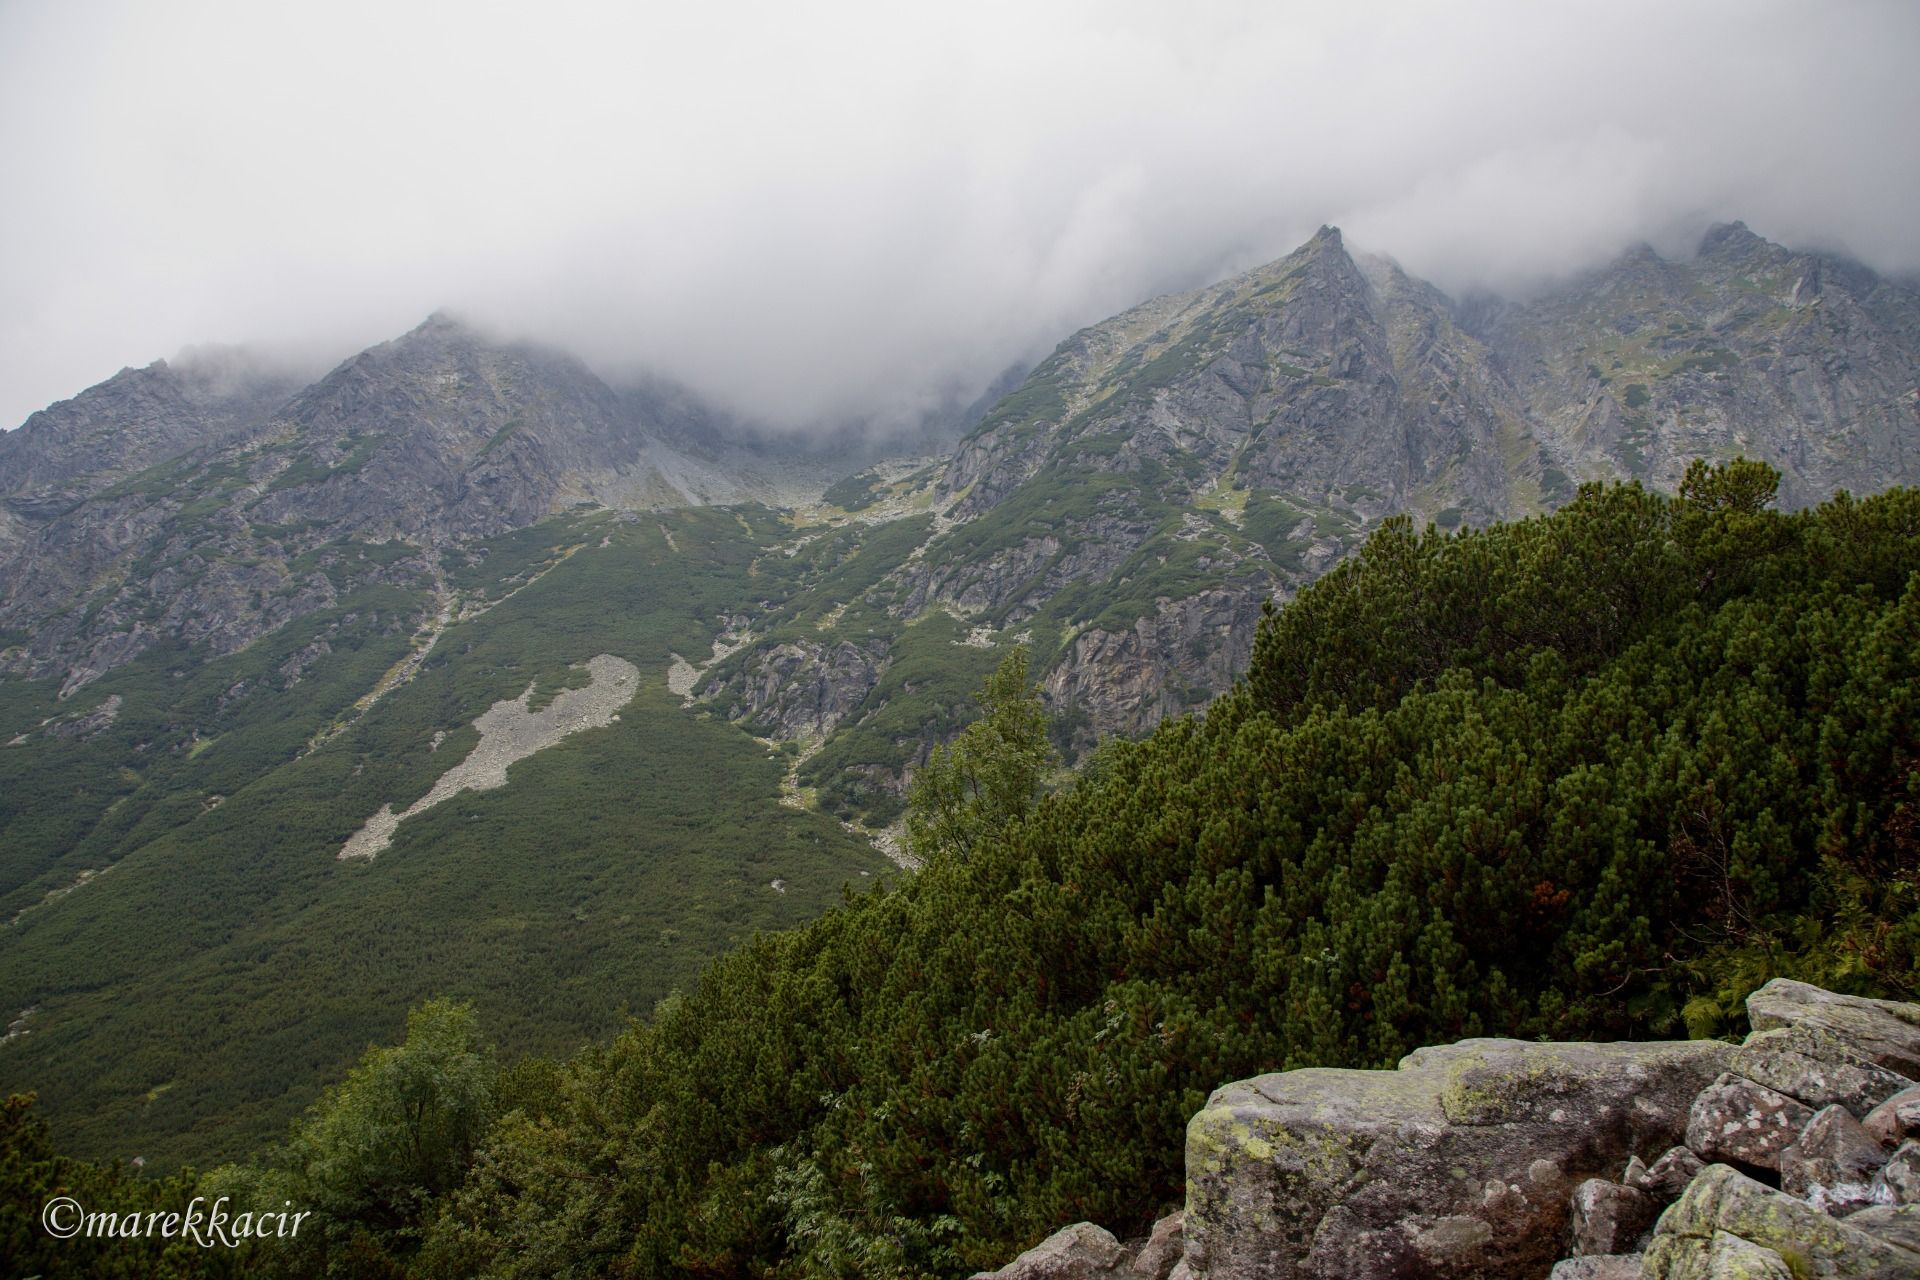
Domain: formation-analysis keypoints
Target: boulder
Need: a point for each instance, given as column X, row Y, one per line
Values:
column 1735, row 1119
column 1609, row 1218
column 1817, row 1067
column 1886, row 1032
column 1896, row 1119
column 1459, row 1162
column 1724, row 1201
column 1667, row 1176
column 1082, row 1251
column 1161, row 1253
column 1731, row 1258
column 1899, row 1181
column 1832, row 1164
column 1624, row 1266
column 1897, row 1224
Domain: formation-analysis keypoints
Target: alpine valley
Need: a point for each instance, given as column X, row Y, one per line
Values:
column 458, row 671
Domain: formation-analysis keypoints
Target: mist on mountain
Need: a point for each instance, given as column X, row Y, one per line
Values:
column 852, row 219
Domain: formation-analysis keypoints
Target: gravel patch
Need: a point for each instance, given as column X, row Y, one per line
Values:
column 509, row 732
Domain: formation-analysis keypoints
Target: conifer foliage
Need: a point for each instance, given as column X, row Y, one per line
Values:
column 1590, row 775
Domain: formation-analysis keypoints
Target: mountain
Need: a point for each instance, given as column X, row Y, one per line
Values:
column 1131, row 506
column 175, row 504
column 606, row 680
column 1805, row 360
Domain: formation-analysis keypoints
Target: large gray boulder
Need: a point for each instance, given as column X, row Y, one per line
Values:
column 1461, row 1162
column 1832, row 1164
column 1817, row 1067
column 1725, row 1202
column 1882, row 1031
column 1735, row 1119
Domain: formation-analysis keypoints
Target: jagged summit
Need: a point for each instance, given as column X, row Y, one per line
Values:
column 1730, row 238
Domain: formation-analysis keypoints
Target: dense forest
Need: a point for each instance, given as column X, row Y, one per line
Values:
column 1591, row 775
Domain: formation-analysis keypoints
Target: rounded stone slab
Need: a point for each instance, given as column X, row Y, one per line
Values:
column 1817, row 1067
column 1883, row 1031
column 1462, row 1160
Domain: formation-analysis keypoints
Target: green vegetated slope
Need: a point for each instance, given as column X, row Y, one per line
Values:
column 197, row 992
column 1594, row 774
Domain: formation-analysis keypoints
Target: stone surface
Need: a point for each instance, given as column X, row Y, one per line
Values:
column 1619, row 1267
column 1897, row 1224
column 1899, row 1181
column 1818, row 1067
column 1459, row 1162
column 1163, row 1249
column 1610, row 1218
column 1082, row 1251
column 1722, row 1200
column 1883, row 1031
column 1732, row 1258
column 1736, row 1119
column 1668, row 1175
column 1832, row 1164
column 1896, row 1119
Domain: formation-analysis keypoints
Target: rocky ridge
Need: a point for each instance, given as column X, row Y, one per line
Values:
column 211, row 505
column 1128, row 507
column 1794, row 1154
column 1133, row 503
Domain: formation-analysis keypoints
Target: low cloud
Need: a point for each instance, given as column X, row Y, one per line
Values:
column 812, row 215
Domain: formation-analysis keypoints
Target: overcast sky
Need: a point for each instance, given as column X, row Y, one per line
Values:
column 813, row 211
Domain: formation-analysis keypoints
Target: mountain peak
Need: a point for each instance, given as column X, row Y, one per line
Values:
column 1730, row 239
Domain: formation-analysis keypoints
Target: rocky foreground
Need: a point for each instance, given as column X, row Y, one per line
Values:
column 1789, row 1156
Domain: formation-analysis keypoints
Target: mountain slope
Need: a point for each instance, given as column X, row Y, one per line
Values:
column 1133, row 503
column 240, row 618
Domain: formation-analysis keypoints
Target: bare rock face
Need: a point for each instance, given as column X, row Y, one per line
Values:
column 1739, row 1120
column 1169, row 661
column 1459, row 1162
column 1164, row 1248
column 804, row 689
column 1725, row 1216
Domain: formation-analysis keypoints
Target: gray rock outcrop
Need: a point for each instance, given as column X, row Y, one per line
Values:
column 1493, row 1158
column 1459, row 1162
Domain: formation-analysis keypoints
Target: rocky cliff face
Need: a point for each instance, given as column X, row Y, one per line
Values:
column 212, row 503
column 1806, row 361
column 1791, row 1155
